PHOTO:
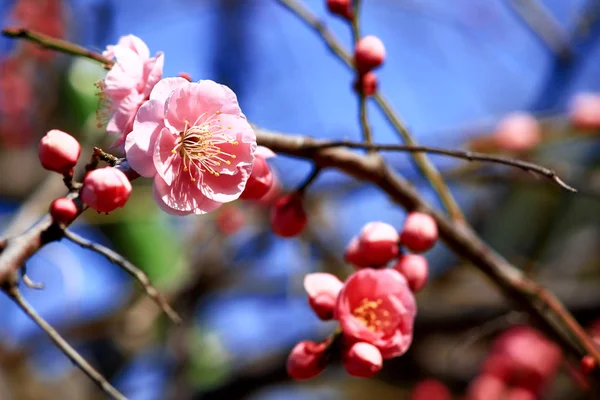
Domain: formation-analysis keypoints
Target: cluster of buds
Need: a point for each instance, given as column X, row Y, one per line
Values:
column 375, row 306
column 103, row 189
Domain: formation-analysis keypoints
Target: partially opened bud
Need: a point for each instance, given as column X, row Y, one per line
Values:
column 343, row 8
column 518, row 132
column 306, row 360
column 105, row 189
column 419, row 233
column 415, row 269
column 260, row 181
column 585, row 111
column 379, row 243
column 288, row 217
column 367, row 83
column 362, row 360
column 369, row 54
column 63, row 211
column 59, row 151
column 322, row 290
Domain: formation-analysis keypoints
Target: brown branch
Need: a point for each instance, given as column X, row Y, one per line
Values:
column 131, row 269
column 12, row 291
column 542, row 305
column 48, row 42
column 462, row 154
column 423, row 163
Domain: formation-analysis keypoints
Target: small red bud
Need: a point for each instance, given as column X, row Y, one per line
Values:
column 419, row 233
column 343, row 8
column 59, row 151
column 306, row 360
column 63, row 211
column 105, row 189
column 369, row 54
column 185, row 76
column 362, row 360
column 259, row 182
column 415, row 270
column 584, row 111
column 288, row 217
column 587, row 364
column 230, row 220
column 368, row 82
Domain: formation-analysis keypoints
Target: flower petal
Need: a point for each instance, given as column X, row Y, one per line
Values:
column 153, row 69
column 225, row 188
column 182, row 197
column 167, row 164
column 139, row 145
column 163, row 88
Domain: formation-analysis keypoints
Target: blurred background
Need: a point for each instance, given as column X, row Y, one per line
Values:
column 452, row 71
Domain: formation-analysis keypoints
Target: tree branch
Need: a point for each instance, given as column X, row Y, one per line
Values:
column 462, row 154
column 423, row 163
column 12, row 291
column 131, row 269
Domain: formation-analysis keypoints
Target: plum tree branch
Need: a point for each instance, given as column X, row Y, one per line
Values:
column 429, row 170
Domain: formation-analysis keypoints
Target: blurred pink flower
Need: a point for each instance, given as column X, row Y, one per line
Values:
column 414, row 268
column 193, row 139
column 517, row 132
column 127, row 85
column 585, row 111
column 322, row 289
column 430, row 389
column 419, row 233
column 376, row 306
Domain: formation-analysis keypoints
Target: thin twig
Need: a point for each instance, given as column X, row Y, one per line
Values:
column 51, row 43
column 131, row 269
column 13, row 292
column 423, row 163
column 309, row 180
column 462, row 154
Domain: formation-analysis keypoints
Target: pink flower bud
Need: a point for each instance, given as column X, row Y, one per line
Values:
column 519, row 393
column 229, row 220
column 585, row 111
column 486, row 387
column 415, row 270
column 343, row 8
column 260, row 181
column 362, row 360
column 518, row 132
column 322, row 289
column 306, row 360
column 430, row 389
column 355, row 255
column 63, row 211
column 105, row 189
column 369, row 54
column 419, row 233
column 288, row 217
column 368, row 82
column 379, row 243
column 588, row 364
column 59, row 151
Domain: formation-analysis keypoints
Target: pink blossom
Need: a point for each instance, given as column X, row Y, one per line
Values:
column 517, row 132
column 260, row 181
column 376, row 306
column 288, row 217
column 419, row 233
column 523, row 357
column 585, row 111
column 193, row 139
column 487, row 387
column 63, row 211
column 58, row 151
column 127, row 85
column 306, row 360
column 369, row 54
column 362, row 360
column 105, row 189
column 430, row 389
column 414, row 268
column 322, row 290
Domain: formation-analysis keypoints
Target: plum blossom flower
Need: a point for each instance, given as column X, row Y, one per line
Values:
column 193, row 139
column 127, row 85
column 377, row 306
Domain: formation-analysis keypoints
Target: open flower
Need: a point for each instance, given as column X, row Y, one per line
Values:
column 376, row 306
column 193, row 139
column 127, row 85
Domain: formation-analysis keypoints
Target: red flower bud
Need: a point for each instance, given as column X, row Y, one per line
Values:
column 288, row 217
column 419, row 233
column 59, row 151
column 306, row 360
column 415, row 270
column 105, row 189
column 343, row 8
column 63, row 211
column 362, row 360
column 369, row 54
column 368, row 82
